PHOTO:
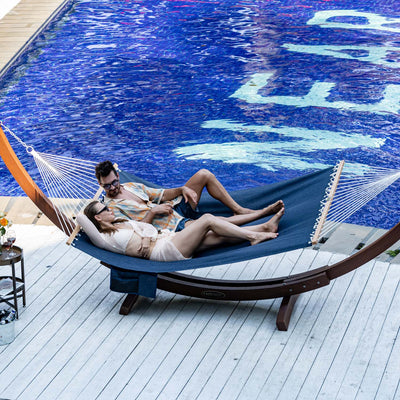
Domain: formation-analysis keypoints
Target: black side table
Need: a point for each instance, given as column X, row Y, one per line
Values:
column 18, row 283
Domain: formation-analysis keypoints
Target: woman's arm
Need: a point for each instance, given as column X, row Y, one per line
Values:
column 142, row 241
column 139, row 246
column 145, row 247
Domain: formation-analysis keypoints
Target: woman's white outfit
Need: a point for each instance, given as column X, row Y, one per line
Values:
column 163, row 250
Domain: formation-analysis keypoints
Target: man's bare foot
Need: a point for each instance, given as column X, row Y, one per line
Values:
column 262, row 237
column 271, row 209
column 273, row 223
column 243, row 210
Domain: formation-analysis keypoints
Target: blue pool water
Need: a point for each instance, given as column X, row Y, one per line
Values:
column 255, row 91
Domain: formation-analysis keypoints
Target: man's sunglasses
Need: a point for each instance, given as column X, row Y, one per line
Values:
column 105, row 208
column 114, row 183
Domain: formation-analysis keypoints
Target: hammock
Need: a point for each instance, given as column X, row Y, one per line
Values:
column 336, row 202
column 305, row 199
column 302, row 197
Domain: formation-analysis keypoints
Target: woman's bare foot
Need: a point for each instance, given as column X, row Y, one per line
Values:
column 270, row 228
column 273, row 223
column 271, row 209
column 262, row 237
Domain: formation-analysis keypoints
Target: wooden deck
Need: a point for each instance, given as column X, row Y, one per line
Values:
column 20, row 26
column 71, row 343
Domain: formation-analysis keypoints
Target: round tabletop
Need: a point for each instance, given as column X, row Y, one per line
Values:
column 6, row 259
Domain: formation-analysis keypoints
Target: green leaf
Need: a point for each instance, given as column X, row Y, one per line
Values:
column 393, row 253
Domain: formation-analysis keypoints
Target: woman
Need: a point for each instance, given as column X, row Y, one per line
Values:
column 139, row 239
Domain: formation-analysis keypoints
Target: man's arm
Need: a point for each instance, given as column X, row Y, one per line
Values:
column 185, row 191
column 170, row 194
column 161, row 209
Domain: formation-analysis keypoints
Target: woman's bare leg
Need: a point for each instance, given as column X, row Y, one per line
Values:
column 271, row 225
column 243, row 219
column 213, row 240
column 206, row 179
column 189, row 240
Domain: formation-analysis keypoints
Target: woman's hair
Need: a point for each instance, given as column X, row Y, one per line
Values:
column 90, row 211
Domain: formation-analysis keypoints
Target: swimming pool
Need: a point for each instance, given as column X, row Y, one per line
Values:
column 256, row 92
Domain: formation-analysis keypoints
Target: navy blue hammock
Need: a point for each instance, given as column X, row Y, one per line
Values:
column 302, row 197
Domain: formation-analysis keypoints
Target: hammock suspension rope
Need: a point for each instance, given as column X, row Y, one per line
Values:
column 69, row 182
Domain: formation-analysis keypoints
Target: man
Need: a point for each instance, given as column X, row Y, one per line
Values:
column 171, row 209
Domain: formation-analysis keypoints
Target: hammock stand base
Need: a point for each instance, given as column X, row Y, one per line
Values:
column 288, row 288
column 215, row 289
column 282, row 319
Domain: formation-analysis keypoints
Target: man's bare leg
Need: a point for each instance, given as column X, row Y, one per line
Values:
column 241, row 219
column 206, row 179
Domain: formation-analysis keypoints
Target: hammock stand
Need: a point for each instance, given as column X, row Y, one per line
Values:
column 288, row 287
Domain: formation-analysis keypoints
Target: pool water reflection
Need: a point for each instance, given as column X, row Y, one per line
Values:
column 257, row 92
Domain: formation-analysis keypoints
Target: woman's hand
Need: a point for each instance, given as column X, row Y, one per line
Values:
column 144, row 249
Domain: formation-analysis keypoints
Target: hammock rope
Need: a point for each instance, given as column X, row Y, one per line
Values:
column 354, row 192
column 71, row 182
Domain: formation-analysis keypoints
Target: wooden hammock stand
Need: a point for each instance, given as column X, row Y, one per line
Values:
column 288, row 288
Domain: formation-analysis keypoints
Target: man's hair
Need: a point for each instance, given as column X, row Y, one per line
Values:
column 104, row 168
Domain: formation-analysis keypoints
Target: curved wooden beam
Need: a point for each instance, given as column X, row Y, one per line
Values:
column 219, row 289
column 30, row 188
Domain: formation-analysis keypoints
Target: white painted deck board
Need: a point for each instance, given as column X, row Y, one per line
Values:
column 351, row 339
column 346, row 291
column 71, row 342
column 235, row 372
column 178, row 351
column 361, row 358
column 201, row 346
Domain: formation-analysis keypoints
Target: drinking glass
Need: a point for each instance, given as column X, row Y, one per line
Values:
column 10, row 237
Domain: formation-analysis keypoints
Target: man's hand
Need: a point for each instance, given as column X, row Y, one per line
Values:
column 162, row 209
column 189, row 195
column 144, row 249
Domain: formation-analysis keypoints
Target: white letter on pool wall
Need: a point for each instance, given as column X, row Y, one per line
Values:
column 375, row 21
column 316, row 97
column 374, row 54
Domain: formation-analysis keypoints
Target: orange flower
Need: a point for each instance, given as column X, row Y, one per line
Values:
column 3, row 222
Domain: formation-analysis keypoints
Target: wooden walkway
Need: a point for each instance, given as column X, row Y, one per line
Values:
column 71, row 343
column 20, row 26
